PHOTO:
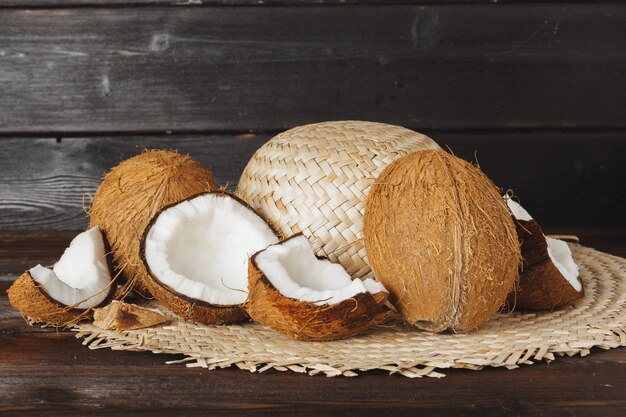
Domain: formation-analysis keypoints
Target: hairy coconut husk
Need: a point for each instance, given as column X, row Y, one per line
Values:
column 541, row 285
column 441, row 239
column 32, row 301
column 131, row 194
column 302, row 320
column 123, row 316
column 185, row 307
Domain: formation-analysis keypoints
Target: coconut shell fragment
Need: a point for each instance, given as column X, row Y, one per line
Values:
column 67, row 292
column 442, row 241
column 132, row 193
column 304, row 320
column 533, row 243
column 541, row 286
column 33, row 302
column 123, row 316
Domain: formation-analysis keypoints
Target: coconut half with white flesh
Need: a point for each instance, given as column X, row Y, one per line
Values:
column 549, row 277
column 196, row 253
column 80, row 281
column 310, row 298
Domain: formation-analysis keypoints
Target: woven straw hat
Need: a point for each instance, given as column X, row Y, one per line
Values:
column 314, row 179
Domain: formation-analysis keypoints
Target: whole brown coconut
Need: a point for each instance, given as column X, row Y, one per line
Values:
column 132, row 193
column 442, row 241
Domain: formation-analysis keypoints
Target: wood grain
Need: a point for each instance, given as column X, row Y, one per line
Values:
column 44, row 182
column 207, row 69
column 563, row 179
column 20, row 251
column 261, row 3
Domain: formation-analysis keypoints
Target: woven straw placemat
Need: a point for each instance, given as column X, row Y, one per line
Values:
column 509, row 339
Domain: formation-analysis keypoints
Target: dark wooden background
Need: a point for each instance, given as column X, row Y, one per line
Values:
column 537, row 90
column 534, row 90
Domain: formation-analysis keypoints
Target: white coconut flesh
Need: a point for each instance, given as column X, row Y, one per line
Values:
column 200, row 248
column 518, row 211
column 81, row 278
column 294, row 270
column 558, row 251
column 561, row 256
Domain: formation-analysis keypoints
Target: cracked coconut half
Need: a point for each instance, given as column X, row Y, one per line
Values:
column 80, row 281
column 549, row 277
column 309, row 298
column 196, row 254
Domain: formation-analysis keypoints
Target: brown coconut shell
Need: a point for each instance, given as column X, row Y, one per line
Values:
column 541, row 285
column 183, row 306
column 302, row 320
column 195, row 310
column 33, row 301
column 533, row 243
column 131, row 194
column 441, row 239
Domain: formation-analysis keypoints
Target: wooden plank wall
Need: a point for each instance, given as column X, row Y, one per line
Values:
column 183, row 69
column 536, row 89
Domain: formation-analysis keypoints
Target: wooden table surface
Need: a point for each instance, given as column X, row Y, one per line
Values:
column 48, row 372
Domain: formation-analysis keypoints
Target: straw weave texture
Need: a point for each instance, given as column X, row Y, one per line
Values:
column 509, row 339
column 315, row 178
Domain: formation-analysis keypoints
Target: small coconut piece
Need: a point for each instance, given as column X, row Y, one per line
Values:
column 132, row 193
column 309, row 298
column 534, row 247
column 123, row 316
column 549, row 277
column 441, row 240
column 80, row 281
column 196, row 253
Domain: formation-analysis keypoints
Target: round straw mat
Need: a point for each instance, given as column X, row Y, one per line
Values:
column 509, row 339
